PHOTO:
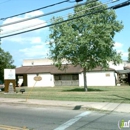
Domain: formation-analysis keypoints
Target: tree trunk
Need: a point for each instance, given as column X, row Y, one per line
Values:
column 85, row 79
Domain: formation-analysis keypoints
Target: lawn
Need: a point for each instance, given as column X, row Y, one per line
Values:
column 94, row 94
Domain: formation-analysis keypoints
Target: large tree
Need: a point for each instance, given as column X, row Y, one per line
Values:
column 129, row 54
column 6, row 61
column 85, row 41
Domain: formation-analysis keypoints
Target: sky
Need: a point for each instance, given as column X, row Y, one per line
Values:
column 34, row 44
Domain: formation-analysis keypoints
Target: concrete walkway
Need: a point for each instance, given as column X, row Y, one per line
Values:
column 117, row 107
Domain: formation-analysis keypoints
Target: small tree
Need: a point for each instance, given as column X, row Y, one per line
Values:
column 6, row 61
column 86, row 41
column 129, row 54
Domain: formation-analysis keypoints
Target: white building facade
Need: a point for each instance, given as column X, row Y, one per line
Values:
column 47, row 80
column 52, row 76
column 98, row 78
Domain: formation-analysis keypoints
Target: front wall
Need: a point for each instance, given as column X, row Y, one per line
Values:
column 98, row 79
column 47, row 80
column 66, row 80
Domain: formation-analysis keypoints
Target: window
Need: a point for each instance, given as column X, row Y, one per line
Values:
column 57, row 77
column 75, row 77
column 66, row 77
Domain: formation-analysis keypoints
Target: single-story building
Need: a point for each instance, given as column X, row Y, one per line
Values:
column 127, row 68
column 70, row 76
column 123, row 75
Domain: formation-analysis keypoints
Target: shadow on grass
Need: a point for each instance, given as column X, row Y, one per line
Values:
column 82, row 90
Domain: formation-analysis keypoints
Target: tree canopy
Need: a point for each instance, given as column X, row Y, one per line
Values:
column 86, row 41
column 6, row 61
column 129, row 54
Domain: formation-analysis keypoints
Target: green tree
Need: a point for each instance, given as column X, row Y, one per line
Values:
column 86, row 41
column 129, row 54
column 6, row 61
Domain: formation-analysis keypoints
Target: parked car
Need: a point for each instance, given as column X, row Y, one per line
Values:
column 1, row 85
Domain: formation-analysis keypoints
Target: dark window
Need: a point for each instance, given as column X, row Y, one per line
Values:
column 66, row 77
column 75, row 77
column 57, row 77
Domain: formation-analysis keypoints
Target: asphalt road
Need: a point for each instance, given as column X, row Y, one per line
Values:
column 45, row 118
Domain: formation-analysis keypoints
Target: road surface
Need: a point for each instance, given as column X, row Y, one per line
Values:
column 14, row 117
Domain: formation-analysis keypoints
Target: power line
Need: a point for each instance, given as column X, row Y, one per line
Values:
column 122, row 4
column 57, row 11
column 4, row 1
column 35, row 9
column 63, row 16
column 100, row 11
column 78, row 0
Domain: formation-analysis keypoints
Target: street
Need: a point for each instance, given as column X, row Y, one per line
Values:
column 54, row 118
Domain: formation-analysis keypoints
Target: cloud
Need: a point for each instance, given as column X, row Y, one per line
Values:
column 21, row 39
column 36, row 40
column 118, row 45
column 120, row 49
column 34, row 51
column 32, row 37
column 33, row 14
column 124, row 54
column 22, row 26
column 26, row 45
column 50, row 42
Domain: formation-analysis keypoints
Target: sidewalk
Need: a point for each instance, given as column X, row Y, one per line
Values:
column 117, row 107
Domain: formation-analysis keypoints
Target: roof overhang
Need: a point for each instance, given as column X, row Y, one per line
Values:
column 123, row 71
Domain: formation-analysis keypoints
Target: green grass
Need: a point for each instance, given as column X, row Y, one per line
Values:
column 94, row 94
